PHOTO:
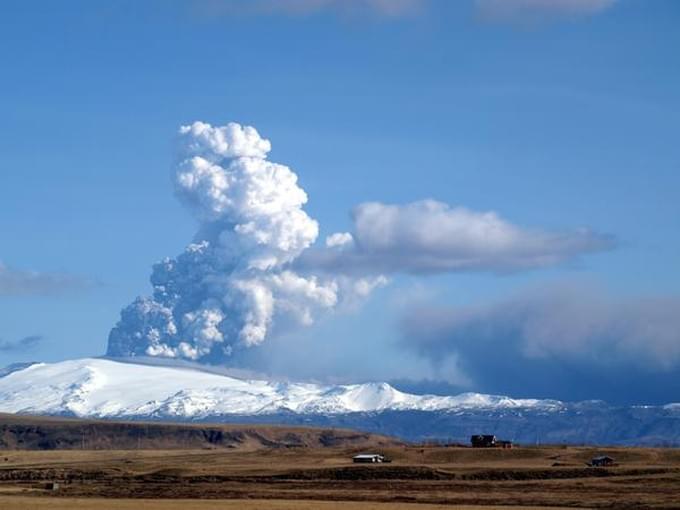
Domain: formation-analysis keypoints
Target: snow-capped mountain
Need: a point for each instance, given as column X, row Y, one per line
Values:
column 104, row 388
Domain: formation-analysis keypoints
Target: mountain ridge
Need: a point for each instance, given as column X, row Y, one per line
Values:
column 96, row 387
column 109, row 389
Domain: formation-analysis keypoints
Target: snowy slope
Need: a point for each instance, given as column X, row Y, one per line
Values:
column 110, row 389
column 104, row 388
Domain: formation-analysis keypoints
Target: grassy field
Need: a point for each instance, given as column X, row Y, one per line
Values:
column 126, row 465
column 422, row 478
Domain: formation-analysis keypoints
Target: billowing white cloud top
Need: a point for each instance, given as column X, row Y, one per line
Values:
column 228, row 287
column 223, row 177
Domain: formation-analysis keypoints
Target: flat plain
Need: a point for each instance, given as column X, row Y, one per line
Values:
column 279, row 468
column 419, row 477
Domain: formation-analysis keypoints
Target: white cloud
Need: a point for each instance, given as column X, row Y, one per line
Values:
column 216, row 143
column 339, row 239
column 430, row 236
column 232, row 285
column 533, row 10
column 251, row 269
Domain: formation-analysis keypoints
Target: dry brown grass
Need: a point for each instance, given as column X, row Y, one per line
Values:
column 38, row 503
column 247, row 467
column 300, row 478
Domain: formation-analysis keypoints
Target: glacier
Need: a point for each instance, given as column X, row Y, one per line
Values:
column 103, row 388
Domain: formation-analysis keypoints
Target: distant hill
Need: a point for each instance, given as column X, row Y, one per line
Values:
column 46, row 433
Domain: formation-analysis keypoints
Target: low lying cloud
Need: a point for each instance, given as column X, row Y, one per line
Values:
column 18, row 282
column 538, row 10
column 567, row 341
column 433, row 237
column 384, row 8
column 22, row 344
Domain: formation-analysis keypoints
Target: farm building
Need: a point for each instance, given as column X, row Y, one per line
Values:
column 602, row 461
column 483, row 441
column 368, row 458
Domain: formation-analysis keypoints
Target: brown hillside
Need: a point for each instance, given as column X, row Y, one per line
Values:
column 19, row 432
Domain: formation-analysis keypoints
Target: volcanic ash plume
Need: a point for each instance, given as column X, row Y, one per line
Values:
column 234, row 282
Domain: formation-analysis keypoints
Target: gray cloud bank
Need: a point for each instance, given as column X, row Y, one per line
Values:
column 433, row 237
column 568, row 341
column 22, row 344
column 18, row 282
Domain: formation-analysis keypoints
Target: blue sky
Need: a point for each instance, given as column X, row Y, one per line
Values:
column 556, row 118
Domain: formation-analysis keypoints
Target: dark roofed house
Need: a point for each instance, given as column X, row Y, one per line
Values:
column 602, row 461
column 483, row 441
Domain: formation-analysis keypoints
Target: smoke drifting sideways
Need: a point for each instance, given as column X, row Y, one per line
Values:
column 234, row 285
